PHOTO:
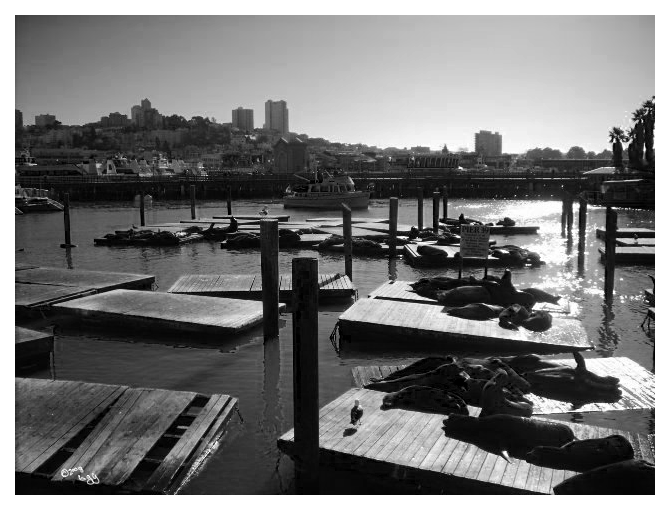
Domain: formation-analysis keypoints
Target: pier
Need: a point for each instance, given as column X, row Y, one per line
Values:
column 631, row 255
column 32, row 348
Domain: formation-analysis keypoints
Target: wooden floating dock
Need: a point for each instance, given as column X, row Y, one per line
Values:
column 399, row 290
column 257, row 217
column 631, row 243
column 32, row 348
column 415, row 259
column 331, row 286
column 129, row 439
column 167, row 312
column 409, row 445
column 631, row 255
column 187, row 239
column 422, row 324
column 628, row 232
column 498, row 229
column 637, row 385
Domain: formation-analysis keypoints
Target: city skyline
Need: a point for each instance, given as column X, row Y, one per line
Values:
column 386, row 81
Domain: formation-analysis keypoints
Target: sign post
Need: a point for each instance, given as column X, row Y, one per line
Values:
column 474, row 245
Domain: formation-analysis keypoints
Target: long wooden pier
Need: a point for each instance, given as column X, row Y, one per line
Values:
column 414, row 258
column 408, row 445
column 32, row 348
column 82, row 437
column 420, row 325
column 166, row 312
column 636, row 382
column 628, row 232
column 249, row 286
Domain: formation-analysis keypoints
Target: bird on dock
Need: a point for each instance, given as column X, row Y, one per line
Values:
column 356, row 413
column 264, row 211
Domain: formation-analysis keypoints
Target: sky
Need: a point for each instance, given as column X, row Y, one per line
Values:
column 540, row 81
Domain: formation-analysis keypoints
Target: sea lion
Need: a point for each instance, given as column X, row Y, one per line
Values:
column 503, row 293
column 514, row 380
column 504, row 433
column 425, row 398
column 421, row 366
column 633, row 476
column 476, row 311
column 431, row 252
column 447, row 377
column 506, row 222
column 583, row 455
column 493, row 400
column 528, row 363
column 539, row 320
column 512, row 316
column 542, row 296
column 463, row 295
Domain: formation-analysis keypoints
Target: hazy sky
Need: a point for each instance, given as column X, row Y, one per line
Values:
column 554, row 81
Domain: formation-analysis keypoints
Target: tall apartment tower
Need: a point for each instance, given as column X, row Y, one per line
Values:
column 488, row 144
column 18, row 118
column 243, row 119
column 276, row 116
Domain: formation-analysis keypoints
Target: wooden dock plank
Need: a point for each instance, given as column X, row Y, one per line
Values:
column 101, row 281
column 28, row 296
column 168, row 311
column 29, row 343
column 429, row 323
column 636, row 382
column 628, row 232
column 632, row 254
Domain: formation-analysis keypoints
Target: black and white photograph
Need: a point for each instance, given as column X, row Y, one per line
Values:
column 349, row 249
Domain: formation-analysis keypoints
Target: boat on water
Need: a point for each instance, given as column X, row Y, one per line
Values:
column 325, row 191
column 29, row 200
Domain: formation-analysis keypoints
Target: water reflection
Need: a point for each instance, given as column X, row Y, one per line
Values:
column 68, row 258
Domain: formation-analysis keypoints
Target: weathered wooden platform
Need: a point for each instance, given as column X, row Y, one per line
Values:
column 356, row 231
column 331, row 286
column 187, row 239
column 338, row 220
column 399, row 290
column 408, row 445
column 279, row 217
column 414, row 258
column 499, row 229
column 100, row 281
column 120, row 438
column 632, row 243
column 167, row 312
column 631, row 255
column 637, row 385
column 628, row 232
column 32, row 347
column 421, row 324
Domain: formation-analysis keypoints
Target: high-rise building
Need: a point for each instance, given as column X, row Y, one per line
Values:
column 276, row 116
column 18, row 118
column 144, row 116
column 243, row 119
column 488, row 144
column 136, row 115
column 44, row 120
column 146, row 104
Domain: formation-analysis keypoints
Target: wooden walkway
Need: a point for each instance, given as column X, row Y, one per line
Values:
column 401, row 291
column 414, row 258
column 402, row 445
column 123, row 439
column 420, row 325
column 632, row 255
column 32, row 347
column 628, row 232
column 167, row 312
column 637, row 385
column 249, row 286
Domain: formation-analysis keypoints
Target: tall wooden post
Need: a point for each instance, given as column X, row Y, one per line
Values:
column 229, row 202
column 192, row 201
column 66, row 221
column 142, row 208
column 445, row 200
column 569, row 215
column 563, row 215
column 270, row 276
column 610, row 252
column 346, row 230
column 436, row 211
column 581, row 244
column 419, row 194
column 306, row 373
column 393, row 225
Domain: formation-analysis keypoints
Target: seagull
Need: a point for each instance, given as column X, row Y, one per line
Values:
column 264, row 211
column 356, row 413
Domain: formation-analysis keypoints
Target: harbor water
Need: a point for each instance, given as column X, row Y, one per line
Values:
column 247, row 460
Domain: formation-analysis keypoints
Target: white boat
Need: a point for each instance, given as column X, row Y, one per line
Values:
column 325, row 191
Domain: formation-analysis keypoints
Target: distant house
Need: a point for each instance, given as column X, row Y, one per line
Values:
column 290, row 157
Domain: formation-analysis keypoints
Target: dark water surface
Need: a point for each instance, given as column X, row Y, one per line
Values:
column 247, row 461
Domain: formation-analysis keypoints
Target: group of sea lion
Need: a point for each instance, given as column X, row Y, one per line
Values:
column 359, row 246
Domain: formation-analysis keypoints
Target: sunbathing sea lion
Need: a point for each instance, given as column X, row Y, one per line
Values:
column 476, row 311
column 542, row 296
column 506, row 222
column 524, row 363
column 539, row 320
column 513, row 316
column 463, row 295
column 430, row 251
column 633, row 476
column 421, row 366
column 583, row 455
column 505, row 434
column 494, row 401
column 514, row 380
column 448, row 377
column 425, row 398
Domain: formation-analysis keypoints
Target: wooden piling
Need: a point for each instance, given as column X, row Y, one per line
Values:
column 393, row 225
column 348, row 248
column 563, row 215
column 581, row 244
column 66, row 221
column 610, row 251
column 192, row 201
column 445, row 200
column 270, row 276
column 306, row 373
column 569, row 213
column 229, row 202
column 436, row 211
column 142, row 223
column 419, row 194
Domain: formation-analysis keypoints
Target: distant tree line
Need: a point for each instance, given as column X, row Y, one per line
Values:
column 575, row 152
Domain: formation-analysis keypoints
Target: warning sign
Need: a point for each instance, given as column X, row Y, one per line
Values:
column 475, row 241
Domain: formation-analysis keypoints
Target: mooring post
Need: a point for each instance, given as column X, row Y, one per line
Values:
column 348, row 248
column 581, row 244
column 445, row 200
column 66, row 221
column 419, row 194
column 563, row 215
column 270, row 276
column 192, row 201
column 306, row 373
column 436, row 211
column 141, row 208
column 569, row 213
column 229, row 202
column 393, row 225
column 610, row 252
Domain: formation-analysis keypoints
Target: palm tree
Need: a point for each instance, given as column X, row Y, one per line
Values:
column 649, row 107
column 617, row 136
